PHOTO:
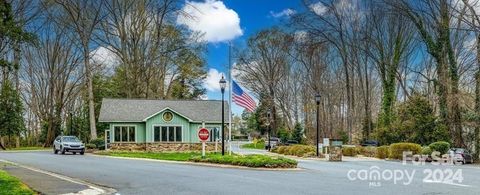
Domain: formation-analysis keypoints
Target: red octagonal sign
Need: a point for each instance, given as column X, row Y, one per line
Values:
column 203, row 134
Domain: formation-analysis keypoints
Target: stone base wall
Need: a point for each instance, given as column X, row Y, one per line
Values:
column 163, row 147
column 127, row 146
column 335, row 153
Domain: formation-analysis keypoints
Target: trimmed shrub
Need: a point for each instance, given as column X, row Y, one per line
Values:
column 99, row 143
column 349, row 151
column 440, row 146
column 368, row 151
column 382, row 152
column 426, row 150
column 90, row 146
column 282, row 149
column 397, row 149
column 296, row 150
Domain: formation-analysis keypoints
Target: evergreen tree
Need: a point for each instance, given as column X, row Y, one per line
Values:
column 11, row 111
column 297, row 133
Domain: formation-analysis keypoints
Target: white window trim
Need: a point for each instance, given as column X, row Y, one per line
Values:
column 112, row 135
column 165, row 125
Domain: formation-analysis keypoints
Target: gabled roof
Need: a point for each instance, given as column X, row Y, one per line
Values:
column 139, row 110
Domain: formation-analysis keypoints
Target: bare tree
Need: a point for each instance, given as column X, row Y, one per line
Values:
column 390, row 45
column 432, row 21
column 265, row 64
column 83, row 16
column 53, row 74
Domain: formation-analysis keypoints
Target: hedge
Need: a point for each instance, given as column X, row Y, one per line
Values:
column 426, row 150
column 99, row 143
column 90, row 146
column 368, row 151
column 349, row 151
column 382, row 152
column 296, row 150
column 440, row 146
column 397, row 149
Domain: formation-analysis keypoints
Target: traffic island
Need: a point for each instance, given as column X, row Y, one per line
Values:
column 253, row 161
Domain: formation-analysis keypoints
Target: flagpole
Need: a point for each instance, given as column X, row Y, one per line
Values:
column 230, row 99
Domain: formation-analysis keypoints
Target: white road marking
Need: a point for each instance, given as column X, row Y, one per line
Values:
column 93, row 190
column 448, row 183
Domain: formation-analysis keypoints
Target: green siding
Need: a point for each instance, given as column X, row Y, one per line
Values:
column 144, row 130
column 176, row 121
column 139, row 134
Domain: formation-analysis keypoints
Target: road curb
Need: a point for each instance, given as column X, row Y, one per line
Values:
column 200, row 164
column 12, row 151
column 93, row 188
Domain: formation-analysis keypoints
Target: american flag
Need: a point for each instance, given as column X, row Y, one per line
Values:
column 242, row 99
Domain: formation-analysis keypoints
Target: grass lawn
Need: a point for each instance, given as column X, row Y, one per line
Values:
column 176, row 156
column 11, row 185
column 260, row 146
column 239, row 160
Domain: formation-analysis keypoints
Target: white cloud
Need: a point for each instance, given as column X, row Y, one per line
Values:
column 284, row 13
column 105, row 58
column 211, row 82
column 213, row 18
column 318, row 8
column 203, row 97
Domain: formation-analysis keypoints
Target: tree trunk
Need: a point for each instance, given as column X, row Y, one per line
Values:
column 477, row 101
column 2, row 143
column 455, row 110
column 91, row 103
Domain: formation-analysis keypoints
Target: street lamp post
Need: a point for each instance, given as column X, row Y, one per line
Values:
column 268, row 128
column 71, row 123
column 317, row 99
column 223, row 84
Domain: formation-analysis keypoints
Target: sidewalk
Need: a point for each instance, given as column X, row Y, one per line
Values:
column 50, row 183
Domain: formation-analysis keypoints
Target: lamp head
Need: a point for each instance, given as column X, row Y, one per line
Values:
column 317, row 98
column 223, row 84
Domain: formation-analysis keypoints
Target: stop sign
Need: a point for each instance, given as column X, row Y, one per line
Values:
column 203, row 134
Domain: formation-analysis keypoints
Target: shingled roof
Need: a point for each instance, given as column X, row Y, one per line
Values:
column 137, row 110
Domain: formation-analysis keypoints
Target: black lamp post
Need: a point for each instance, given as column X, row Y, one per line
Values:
column 268, row 128
column 223, row 84
column 71, row 124
column 317, row 99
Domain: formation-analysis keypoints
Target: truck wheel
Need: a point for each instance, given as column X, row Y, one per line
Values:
column 74, row 153
column 62, row 149
column 82, row 152
column 55, row 151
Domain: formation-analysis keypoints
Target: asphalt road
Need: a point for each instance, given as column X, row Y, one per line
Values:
column 316, row 177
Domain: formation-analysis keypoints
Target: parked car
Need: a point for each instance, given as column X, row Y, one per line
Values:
column 291, row 142
column 460, row 155
column 64, row 144
column 274, row 142
column 370, row 143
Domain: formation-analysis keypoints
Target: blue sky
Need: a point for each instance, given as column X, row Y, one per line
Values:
column 219, row 20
